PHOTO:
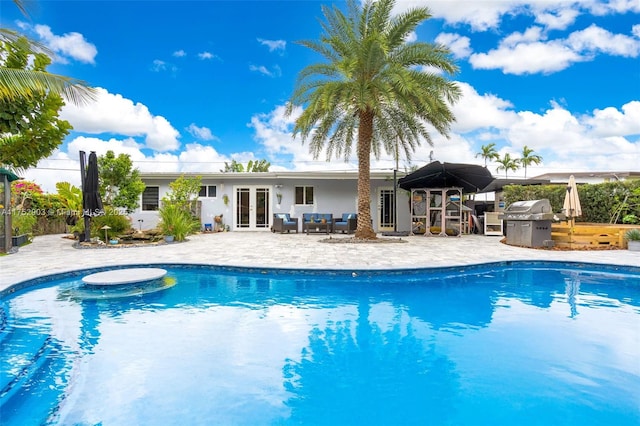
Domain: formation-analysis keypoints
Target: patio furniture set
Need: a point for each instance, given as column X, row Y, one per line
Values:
column 315, row 222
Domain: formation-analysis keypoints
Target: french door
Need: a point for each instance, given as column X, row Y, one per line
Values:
column 386, row 209
column 252, row 208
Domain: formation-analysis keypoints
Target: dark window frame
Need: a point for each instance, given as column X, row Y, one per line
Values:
column 208, row 191
column 146, row 202
column 305, row 195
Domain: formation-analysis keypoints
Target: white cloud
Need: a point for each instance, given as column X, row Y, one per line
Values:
column 475, row 111
column 598, row 40
column 530, row 52
column 487, row 15
column 275, row 72
column 65, row 165
column 459, row 45
column 613, row 6
column 206, row 55
column 179, row 53
column 201, row 158
column 202, row 133
column 273, row 45
column 117, row 115
column 613, row 122
column 479, row 15
column 70, row 45
column 530, row 35
column 158, row 65
column 526, row 58
column 559, row 17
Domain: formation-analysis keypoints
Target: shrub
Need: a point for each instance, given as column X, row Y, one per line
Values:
column 608, row 202
column 632, row 235
column 23, row 222
column 176, row 221
column 113, row 218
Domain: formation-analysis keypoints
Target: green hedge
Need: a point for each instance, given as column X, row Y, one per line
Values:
column 608, row 202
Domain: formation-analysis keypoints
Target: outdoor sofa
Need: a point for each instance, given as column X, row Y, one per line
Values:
column 283, row 222
column 347, row 223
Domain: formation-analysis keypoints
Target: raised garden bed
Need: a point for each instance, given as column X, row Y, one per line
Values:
column 590, row 235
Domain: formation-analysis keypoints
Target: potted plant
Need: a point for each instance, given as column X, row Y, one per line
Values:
column 633, row 239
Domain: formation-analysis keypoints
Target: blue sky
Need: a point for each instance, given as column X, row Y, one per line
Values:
column 186, row 86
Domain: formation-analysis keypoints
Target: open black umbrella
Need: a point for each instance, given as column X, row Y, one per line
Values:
column 91, row 202
column 469, row 177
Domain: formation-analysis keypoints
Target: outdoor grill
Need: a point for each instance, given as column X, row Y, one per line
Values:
column 529, row 223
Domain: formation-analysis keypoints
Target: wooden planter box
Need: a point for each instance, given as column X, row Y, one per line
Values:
column 590, row 235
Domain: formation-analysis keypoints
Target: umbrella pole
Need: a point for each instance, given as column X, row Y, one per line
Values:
column 395, row 200
column 87, row 218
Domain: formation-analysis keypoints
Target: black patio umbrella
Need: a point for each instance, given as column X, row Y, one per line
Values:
column 91, row 202
column 469, row 177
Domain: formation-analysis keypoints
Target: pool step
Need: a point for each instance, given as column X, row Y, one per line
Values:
column 4, row 322
column 28, row 388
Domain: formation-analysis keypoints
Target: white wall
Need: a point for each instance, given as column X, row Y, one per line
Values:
column 334, row 196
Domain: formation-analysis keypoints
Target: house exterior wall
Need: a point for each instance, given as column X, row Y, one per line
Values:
column 334, row 195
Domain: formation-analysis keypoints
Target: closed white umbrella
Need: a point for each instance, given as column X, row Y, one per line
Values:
column 571, row 207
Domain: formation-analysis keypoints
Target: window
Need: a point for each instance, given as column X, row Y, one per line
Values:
column 304, row 195
column 208, row 191
column 151, row 198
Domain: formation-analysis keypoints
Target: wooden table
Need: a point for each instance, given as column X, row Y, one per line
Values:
column 319, row 226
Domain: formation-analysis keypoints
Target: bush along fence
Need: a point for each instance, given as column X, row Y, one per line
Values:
column 608, row 202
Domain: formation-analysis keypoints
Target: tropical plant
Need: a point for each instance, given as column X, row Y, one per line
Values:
column 376, row 89
column 23, row 222
column 120, row 184
column 17, row 83
column 528, row 158
column 632, row 235
column 252, row 166
column 507, row 164
column 177, row 222
column 71, row 199
column 488, row 153
column 184, row 192
column 176, row 217
column 258, row 166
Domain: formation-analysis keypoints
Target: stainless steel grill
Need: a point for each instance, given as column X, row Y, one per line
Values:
column 529, row 223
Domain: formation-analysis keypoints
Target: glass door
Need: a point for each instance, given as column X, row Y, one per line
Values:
column 386, row 209
column 252, row 208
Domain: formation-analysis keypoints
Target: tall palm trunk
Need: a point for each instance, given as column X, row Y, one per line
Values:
column 365, row 135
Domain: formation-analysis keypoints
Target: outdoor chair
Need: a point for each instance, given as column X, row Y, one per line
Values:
column 348, row 223
column 283, row 222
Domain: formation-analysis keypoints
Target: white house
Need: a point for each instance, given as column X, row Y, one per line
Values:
column 247, row 201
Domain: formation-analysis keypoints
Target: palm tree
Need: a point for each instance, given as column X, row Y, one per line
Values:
column 507, row 163
column 529, row 158
column 372, row 90
column 488, row 153
column 24, row 83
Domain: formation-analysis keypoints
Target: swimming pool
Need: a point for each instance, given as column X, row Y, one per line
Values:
column 507, row 343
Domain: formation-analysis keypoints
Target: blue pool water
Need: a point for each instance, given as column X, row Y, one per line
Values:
column 501, row 344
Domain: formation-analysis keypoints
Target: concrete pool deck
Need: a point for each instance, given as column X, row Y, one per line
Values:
column 50, row 254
